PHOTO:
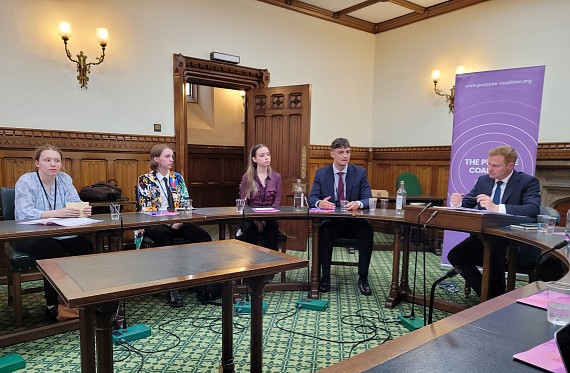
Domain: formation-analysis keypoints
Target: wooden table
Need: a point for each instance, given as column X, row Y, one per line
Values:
column 79, row 282
column 476, row 222
column 457, row 342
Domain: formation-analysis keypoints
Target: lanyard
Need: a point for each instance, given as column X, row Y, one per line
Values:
column 46, row 193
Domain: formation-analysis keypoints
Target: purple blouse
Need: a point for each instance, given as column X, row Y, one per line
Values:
column 268, row 195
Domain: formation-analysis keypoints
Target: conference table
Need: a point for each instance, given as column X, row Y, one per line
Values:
column 95, row 283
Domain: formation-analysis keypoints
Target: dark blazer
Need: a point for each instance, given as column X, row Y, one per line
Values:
column 521, row 196
column 356, row 185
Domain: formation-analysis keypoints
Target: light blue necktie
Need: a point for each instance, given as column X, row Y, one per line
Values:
column 497, row 195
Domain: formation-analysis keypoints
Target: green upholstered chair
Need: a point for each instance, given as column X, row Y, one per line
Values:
column 411, row 183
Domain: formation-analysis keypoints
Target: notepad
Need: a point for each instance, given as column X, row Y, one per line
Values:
column 77, row 206
column 160, row 213
column 317, row 210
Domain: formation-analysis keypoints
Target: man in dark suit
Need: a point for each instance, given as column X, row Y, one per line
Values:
column 503, row 190
column 333, row 183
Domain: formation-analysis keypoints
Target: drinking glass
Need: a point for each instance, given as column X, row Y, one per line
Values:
column 343, row 205
column 372, row 201
column 558, row 305
column 550, row 225
column 384, row 204
column 115, row 211
column 542, row 221
column 240, row 204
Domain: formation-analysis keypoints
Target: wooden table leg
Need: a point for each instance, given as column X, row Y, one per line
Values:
column 513, row 261
column 103, row 327
column 256, row 285
column 315, row 270
column 486, row 281
column 227, row 364
column 87, row 340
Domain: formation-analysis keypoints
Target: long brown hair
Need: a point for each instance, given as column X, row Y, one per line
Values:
column 251, row 188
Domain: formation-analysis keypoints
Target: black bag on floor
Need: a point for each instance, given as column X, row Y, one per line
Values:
column 209, row 293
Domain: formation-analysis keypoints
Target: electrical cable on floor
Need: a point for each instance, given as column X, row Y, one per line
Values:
column 366, row 326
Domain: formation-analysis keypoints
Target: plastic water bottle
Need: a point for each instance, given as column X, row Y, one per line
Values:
column 401, row 199
column 298, row 197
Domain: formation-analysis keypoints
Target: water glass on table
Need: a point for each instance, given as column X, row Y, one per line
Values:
column 550, row 225
column 372, row 201
column 115, row 211
column 240, row 204
column 558, row 304
column 186, row 204
column 542, row 221
column 343, row 205
column 384, row 204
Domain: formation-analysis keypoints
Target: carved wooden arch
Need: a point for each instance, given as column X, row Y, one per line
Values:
column 209, row 73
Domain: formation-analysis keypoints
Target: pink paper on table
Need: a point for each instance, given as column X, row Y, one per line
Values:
column 540, row 300
column 544, row 356
column 320, row 210
column 161, row 213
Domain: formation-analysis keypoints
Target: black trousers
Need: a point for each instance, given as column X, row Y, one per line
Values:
column 468, row 254
column 330, row 229
column 269, row 235
column 163, row 235
column 47, row 248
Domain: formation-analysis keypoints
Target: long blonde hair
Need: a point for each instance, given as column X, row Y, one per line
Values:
column 251, row 187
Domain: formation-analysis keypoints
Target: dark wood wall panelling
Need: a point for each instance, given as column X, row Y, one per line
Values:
column 214, row 172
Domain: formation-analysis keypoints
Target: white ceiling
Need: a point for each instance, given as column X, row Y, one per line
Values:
column 373, row 16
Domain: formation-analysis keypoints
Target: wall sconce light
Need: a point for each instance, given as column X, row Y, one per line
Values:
column 450, row 98
column 83, row 68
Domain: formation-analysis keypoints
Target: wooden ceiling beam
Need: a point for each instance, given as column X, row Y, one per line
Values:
column 409, row 5
column 356, row 7
column 430, row 12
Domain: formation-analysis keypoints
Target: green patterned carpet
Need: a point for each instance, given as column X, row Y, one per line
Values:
column 188, row 339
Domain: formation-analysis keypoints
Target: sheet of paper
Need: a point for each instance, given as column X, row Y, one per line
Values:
column 545, row 356
column 265, row 209
column 540, row 300
column 317, row 210
column 160, row 213
column 78, row 206
column 65, row 222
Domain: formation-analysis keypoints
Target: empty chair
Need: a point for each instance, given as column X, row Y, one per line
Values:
column 411, row 182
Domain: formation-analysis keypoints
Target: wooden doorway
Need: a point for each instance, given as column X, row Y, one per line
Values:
column 278, row 116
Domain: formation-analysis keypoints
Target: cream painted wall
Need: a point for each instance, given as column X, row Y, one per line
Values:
column 217, row 118
column 493, row 35
column 132, row 89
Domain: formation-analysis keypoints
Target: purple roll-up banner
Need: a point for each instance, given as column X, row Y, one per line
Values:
column 492, row 108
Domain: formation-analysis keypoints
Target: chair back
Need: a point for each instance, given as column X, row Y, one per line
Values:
column 411, row 183
column 137, row 203
column 7, row 206
column 546, row 210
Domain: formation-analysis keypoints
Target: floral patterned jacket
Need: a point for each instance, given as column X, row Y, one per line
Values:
column 149, row 197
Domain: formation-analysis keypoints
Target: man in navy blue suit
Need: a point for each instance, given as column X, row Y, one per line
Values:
column 333, row 183
column 503, row 190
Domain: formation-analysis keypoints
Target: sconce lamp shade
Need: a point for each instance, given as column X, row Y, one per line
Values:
column 435, row 75
column 65, row 29
column 102, row 36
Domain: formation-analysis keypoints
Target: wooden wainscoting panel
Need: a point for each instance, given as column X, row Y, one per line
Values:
column 214, row 174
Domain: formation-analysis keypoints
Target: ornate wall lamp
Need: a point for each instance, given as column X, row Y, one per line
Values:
column 435, row 75
column 83, row 68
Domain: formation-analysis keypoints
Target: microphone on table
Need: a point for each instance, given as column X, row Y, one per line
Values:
column 412, row 312
column 539, row 261
column 418, row 230
column 430, row 218
column 451, row 273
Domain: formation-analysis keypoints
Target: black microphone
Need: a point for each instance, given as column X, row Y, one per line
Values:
column 451, row 273
column 430, row 218
column 418, row 234
column 559, row 245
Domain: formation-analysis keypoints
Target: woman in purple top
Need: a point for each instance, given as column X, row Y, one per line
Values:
column 260, row 186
